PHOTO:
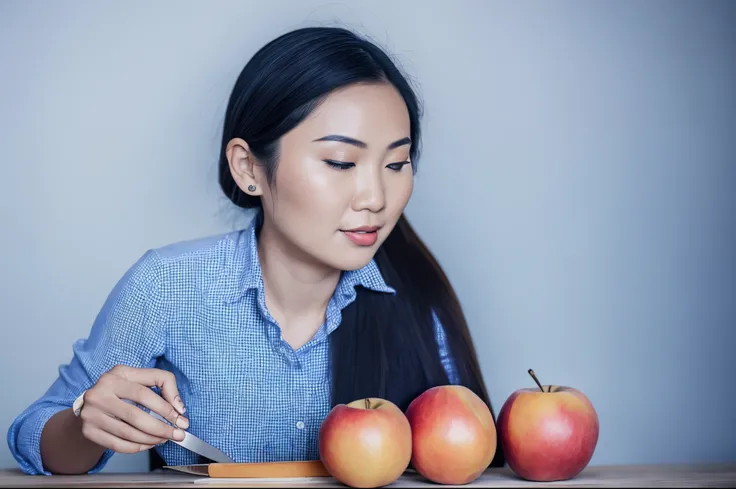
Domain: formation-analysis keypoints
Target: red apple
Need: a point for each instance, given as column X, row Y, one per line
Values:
column 453, row 434
column 366, row 443
column 548, row 436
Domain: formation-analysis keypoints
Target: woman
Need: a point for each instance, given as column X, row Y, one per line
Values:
column 248, row 339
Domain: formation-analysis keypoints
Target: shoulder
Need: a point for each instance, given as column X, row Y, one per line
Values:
column 192, row 265
column 205, row 252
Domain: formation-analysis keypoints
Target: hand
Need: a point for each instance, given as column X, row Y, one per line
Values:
column 110, row 422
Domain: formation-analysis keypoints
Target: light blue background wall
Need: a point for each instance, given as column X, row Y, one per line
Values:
column 577, row 185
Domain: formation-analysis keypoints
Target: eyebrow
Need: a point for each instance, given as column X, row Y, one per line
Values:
column 361, row 144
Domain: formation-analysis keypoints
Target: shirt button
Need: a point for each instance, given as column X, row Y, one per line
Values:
column 299, row 425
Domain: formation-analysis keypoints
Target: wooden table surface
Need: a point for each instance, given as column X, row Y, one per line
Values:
column 722, row 475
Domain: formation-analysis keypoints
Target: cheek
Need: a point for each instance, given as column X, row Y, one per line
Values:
column 400, row 191
column 305, row 184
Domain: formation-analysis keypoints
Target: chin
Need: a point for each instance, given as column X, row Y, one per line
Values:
column 350, row 258
column 350, row 263
column 345, row 256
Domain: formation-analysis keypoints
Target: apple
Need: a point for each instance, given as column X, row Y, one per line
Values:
column 453, row 434
column 365, row 443
column 548, row 434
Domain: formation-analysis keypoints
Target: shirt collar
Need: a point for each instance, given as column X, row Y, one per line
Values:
column 245, row 269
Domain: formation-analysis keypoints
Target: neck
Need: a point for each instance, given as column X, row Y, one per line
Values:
column 296, row 287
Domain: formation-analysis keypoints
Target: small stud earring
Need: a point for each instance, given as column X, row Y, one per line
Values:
column 251, row 188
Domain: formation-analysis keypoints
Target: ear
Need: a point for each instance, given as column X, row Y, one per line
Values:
column 242, row 167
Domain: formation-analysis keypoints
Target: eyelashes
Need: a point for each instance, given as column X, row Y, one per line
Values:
column 342, row 165
column 398, row 166
column 339, row 165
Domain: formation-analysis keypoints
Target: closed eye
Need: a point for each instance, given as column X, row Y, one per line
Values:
column 339, row 165
column 397, row 166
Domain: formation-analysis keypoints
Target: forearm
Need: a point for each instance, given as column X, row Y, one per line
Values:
column 64, row 449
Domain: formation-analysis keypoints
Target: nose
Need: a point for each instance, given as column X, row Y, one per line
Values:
column 370, row 192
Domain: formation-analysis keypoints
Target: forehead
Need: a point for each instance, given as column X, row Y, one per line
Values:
column 375, row 114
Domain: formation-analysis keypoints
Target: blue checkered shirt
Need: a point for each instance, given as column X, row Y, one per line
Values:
column 198, row 309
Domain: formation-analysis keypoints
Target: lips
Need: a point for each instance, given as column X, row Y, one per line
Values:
column 362, row 229
column 362, row 236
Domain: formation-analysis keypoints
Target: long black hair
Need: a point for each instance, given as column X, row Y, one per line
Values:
column 386, row 344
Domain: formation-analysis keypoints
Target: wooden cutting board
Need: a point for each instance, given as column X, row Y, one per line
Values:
column 265, row 470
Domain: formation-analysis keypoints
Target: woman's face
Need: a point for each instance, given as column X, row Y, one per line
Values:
column 343, row 178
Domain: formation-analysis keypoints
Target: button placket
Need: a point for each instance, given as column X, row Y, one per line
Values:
column 300, row 403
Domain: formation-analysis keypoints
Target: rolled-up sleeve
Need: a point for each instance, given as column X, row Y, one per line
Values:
column 127, row 331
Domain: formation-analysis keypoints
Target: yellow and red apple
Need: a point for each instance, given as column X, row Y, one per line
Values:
column 453, row 434
column 365, row 443
column 548, row 434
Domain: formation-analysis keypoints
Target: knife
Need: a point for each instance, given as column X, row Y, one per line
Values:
column 198, row 446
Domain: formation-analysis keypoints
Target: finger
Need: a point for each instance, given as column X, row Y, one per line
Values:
column 150, row 400
column 154, row 377
column 115, row 386
column 141, row 420
column 106, row 440
column 124, row 431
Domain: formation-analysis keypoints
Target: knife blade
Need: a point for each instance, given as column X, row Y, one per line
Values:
column 201, row 447
column 197, row 445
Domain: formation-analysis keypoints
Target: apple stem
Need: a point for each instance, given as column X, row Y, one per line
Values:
column 367, row 403
column 531, row 372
